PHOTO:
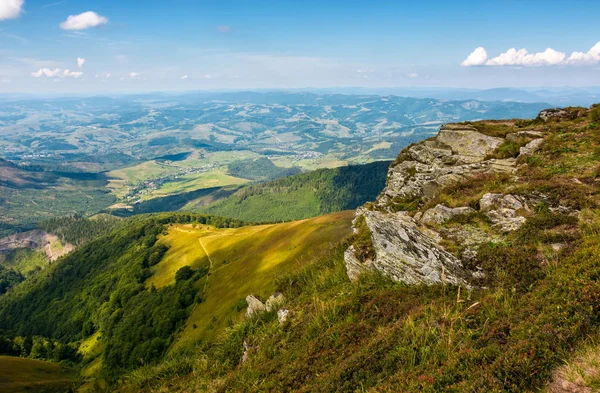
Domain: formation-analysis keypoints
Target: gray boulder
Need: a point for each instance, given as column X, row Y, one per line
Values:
column 503, row 210
column 528, row 134
column 254, row 305
column 532, row 147
column 405, row 253
column 468, row 142
column 441, row 214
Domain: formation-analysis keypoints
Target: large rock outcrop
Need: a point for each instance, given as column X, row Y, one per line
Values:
column 406, row 253
column 407, row 247
column 457, row 152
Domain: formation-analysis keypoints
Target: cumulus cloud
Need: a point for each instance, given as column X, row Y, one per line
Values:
column 477, row 58
column 134, row 75
column 590, row 57
column 224, row 29
column 523, row 58
column 10, row 9
column 208, row 76
column 58, row 73
column 184, row 77
column 72, row 74
column 412, row 75
column 55, row 73
column 83, row 21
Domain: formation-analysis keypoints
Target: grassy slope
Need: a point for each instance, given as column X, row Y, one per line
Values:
column 244, row 261
column 20, row 375
column 537, row 305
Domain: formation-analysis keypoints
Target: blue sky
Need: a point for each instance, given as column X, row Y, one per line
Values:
column 179, row 44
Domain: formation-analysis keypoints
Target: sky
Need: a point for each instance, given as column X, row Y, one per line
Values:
column 92, row 46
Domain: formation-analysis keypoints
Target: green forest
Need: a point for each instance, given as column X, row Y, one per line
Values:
column 304, row 195
column 100, row 286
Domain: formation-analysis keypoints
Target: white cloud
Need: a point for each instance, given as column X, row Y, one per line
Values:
column 521, row 57
column 412, row 75
column 184, row 77
column 208, row 76
column 55, row 73
column 58, row 73
column 224, row 29
column 72, row 74
column 83, row 21
column 477, row 58
column 10, row 9
column 590, row 57
column 80, row 62
column 134, row 75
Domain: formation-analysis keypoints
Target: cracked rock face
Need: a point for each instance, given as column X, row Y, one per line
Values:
column 468, row 142
column 441, row 214
column 406, row 253
column 457, row 153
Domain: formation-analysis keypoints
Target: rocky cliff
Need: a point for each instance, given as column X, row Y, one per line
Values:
column 422, row 229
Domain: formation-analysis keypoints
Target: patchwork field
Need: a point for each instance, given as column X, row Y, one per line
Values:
column 28, row 375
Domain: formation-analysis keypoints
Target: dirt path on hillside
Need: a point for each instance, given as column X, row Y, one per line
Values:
column 210, row 266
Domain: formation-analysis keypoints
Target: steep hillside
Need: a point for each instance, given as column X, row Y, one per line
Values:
column 485, row 280
column 158, row 284
column 305, row 195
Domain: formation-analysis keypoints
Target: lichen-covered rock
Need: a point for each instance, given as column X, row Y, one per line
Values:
column 527, row 134
column 466, row 141
column 254, row 305
column 554, row 113
column 491, row 201
column 354, row 267
column 503, row 210
column 406, row 254
column 531, row 147
column 406, row 248
column 282, row 315
column 457, row 153
column 440, row 214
